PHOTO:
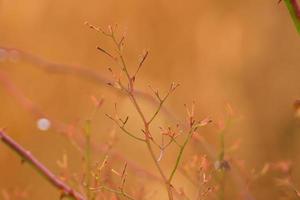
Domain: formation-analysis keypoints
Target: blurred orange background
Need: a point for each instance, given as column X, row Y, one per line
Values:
column 245, row 53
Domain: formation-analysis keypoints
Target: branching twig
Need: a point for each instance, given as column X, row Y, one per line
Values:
column 130, row 93
column 182, row 147
column 140, row 64
column 122, row 127
column 118, row 192
column 162, row 100
column 26, row 155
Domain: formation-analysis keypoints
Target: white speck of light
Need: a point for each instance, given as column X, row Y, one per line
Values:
column 43, row 124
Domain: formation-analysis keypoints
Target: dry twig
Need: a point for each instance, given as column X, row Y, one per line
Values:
column 42, row 169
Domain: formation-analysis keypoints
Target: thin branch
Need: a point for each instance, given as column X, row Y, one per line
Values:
column 162, row 101
column 106, row 52
column 182, row 147
column 124, row 129
column 98, row 29
column 141, row 64
column 44, row 171
column 194, row 127
column 123, row 177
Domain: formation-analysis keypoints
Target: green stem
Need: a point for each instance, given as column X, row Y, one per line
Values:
column 221, row 157
column 180, row 154
column 294, row 10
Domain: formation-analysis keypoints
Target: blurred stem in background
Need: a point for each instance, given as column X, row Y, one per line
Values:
column 222, row 164
column 87, row 157
column 88, row 150
column 294, row 9
column 66, row 190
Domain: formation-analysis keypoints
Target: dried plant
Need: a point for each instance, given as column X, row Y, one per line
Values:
column 146, row 136
column 128, row 88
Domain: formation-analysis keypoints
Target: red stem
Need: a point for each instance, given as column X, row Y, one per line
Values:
column 296, row 7
column 55, row 181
